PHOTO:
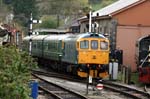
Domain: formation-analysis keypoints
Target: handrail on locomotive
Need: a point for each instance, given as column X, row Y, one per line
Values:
column 148, row 55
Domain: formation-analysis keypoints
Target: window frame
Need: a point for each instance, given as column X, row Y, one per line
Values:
column 106, row 48
column 94, row 42
column 84, row 47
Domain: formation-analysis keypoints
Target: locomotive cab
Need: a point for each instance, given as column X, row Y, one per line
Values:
column 93, row 52
column 143, row 59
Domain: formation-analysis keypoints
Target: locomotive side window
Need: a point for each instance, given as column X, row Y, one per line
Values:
column 103, row 45
column 94, row 44
column 84, row 44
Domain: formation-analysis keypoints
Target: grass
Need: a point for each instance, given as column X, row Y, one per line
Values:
column 133, row 80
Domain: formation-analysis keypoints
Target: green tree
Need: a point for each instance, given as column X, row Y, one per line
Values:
column 22, row 10
column 25, row 7
column 47, row 22
column 62, row 9
column 15, row 73
column 4, row 10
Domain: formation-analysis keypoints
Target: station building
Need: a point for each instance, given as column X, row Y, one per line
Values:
column 125, row 21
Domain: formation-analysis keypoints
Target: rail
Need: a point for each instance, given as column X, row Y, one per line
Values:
column 126, row 90
column 58, row 92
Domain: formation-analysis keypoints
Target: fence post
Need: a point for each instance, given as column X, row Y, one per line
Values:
column 128, row 74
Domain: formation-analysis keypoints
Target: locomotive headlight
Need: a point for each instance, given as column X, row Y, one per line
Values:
column 103, row 45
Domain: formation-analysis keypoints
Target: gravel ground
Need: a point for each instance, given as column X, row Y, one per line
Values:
column 93, row 93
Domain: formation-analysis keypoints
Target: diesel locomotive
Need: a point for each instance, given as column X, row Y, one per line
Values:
column 79, row 54
column 143, row 59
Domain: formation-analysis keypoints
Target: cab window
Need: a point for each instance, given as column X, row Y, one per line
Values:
column 84, row 44
column 94, row 44
column 103, row 45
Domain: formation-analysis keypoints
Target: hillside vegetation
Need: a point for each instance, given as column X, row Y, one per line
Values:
column 98, row 4
column 61, row 10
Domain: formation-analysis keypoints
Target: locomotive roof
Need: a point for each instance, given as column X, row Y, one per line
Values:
column 87, row 35
column 81, row 35
column 57, row 36
column 75, row 37
column 63, row 36
column 28, row 37
column 39, row 37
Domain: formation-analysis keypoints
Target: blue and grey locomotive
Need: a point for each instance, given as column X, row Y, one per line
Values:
column 73, row 53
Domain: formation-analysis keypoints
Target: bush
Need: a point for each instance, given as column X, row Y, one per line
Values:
column 15, row 73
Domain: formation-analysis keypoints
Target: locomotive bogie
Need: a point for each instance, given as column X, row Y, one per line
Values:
column 97, row 72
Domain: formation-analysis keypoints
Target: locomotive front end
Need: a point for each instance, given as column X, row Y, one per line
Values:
column 93, row 54
column 93, row 51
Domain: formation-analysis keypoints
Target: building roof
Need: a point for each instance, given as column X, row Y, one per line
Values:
column 120, row 4
column 115, row 7
column 75, row 23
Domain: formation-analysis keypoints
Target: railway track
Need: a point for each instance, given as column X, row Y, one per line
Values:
column 56, row 91
column 129, row 92
column 126, row 90
column 58, row 75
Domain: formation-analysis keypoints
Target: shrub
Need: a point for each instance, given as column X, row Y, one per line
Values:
column 15, row 73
